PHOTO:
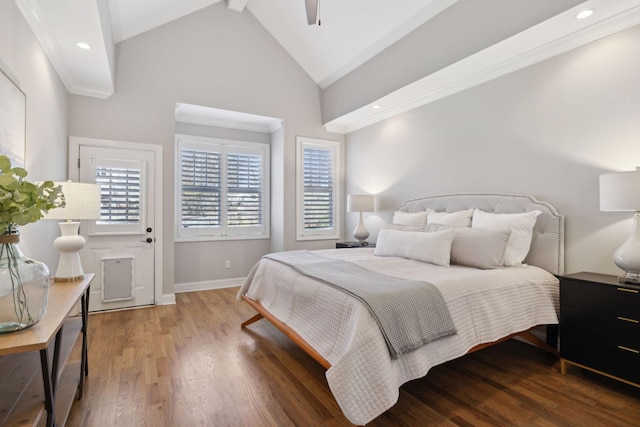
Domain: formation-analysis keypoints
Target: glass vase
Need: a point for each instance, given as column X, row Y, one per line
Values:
column 24, row 286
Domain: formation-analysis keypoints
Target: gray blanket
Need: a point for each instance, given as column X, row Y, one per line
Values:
column 410, row 313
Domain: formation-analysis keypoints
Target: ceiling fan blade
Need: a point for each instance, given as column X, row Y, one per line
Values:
column 312, row 11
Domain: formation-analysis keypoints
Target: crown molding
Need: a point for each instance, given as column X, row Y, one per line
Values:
column 31, row 12
column 36, row 20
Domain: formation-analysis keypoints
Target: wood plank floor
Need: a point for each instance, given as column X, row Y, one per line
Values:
column 190, row 364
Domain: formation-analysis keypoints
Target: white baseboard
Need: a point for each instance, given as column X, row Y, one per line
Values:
column 167, row 299
column 207, row 285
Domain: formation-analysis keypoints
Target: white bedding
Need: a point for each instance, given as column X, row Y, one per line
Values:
column 485, row 306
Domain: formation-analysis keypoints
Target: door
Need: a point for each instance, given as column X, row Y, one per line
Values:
column 120, row 245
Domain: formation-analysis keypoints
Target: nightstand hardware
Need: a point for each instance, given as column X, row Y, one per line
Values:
column 626, row 319
column 633, row 291
column 629, row 349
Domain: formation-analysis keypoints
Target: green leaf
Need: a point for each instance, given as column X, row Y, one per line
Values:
column 5, row 163
column 7, row 180
column 19, row 172
column 23, row 202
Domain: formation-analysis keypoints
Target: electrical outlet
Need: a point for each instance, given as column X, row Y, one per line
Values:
column 227, row 264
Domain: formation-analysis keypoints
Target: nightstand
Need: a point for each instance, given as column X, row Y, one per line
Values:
column 341, row 245
column 600, row 325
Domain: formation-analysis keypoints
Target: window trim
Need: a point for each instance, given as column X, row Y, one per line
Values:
column 302, row 234
column 210, row 233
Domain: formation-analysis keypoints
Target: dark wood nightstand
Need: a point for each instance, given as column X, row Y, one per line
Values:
column 600, row 325
column 340, row 245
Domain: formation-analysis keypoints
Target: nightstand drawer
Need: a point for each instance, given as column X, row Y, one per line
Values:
column 620, row 361
column 622, row 300
column 602, row 327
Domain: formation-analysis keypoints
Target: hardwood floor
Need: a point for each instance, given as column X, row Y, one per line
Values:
column 190, row 364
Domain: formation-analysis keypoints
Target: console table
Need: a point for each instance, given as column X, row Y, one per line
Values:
column 31, row 392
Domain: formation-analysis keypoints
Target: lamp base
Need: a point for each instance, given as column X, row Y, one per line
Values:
column 361, row 233
column 68, row 279
column 627, row 257
column 69, row 244
column 633, row 278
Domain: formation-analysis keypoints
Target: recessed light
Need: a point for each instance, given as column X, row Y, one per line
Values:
column 584, row 14
column 375, row 107
column 83, row 45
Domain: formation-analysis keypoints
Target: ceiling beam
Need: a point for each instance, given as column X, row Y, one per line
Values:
column 237, row 5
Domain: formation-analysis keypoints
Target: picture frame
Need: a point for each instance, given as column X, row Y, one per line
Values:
column 13, row 120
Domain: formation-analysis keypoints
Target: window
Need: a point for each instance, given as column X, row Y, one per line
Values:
column 122, row 185
column 222, row 189
column 119, row 194
column 318, row 215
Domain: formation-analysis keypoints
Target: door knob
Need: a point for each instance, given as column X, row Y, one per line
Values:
column 148, row 240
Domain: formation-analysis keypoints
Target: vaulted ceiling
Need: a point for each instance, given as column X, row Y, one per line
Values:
column 351, row 33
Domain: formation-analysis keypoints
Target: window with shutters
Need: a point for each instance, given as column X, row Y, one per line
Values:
column 318, row 215
column 119, row 194
column 222, row 189
column 121, row 191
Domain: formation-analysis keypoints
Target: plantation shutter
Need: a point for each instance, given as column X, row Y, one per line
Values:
column 122, row 189
column 200, row 188
column 318, row 209
column 223, row 189
column 245, row 186
column 119, row 195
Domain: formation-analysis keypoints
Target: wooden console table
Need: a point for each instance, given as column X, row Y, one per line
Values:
column 28, row 394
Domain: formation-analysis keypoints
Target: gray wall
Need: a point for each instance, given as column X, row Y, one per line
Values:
column 216, row 58
column 46, row 146
column 549, row 130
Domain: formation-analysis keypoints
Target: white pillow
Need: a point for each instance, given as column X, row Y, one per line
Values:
column 430, row 228
column 521, row 226
column 450, row 219
column 479, row 247
column 405, row 227
column 410, row 218
column 434, row 248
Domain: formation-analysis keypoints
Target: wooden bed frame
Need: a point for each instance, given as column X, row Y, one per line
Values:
column 547, row 252
column 263, row 313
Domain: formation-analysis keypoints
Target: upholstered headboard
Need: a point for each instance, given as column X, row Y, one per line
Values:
column 547, row 245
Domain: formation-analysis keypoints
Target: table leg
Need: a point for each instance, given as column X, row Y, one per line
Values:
column 86, row 325
column 84, row 360
column 56, row 360
column 50, row 378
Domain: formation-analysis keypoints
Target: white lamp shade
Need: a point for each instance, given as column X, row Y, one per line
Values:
column 82, row 202
column 360, row 203
column 620, row 191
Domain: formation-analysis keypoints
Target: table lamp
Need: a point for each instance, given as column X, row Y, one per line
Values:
column 360, row 203
column 82, row 202
column 620, row 191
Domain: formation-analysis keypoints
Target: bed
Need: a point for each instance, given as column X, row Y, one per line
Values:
column 486, row 305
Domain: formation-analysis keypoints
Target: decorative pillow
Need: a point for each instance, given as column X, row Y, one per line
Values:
column 404, row 227
column 450, row 219
column 430, row 228
column 434, row 248
column 410, row 218
column 479, row 247
column 521, row 226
